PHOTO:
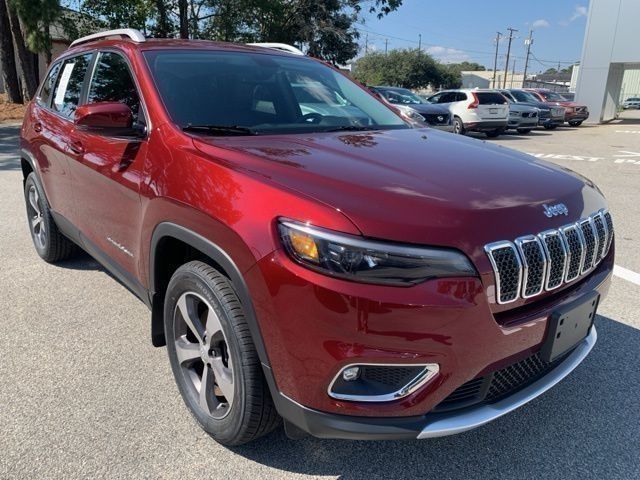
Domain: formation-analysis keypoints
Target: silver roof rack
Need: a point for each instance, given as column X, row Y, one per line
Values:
column 131, row 33
column 279, row 46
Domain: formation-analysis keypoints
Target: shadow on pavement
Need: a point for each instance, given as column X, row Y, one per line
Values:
column 586, row 427
column 9, row 135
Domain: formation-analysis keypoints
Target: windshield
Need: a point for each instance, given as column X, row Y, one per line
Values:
column 553, row 96
column 262, row 93
column 522, row 96
column 401, row 96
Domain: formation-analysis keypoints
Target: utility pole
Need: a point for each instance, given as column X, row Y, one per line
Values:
column 506, row 68
column 495, row 60
column 366, row 44
column 528, row 42
column 386, row 41
column 513, row 72
column 419, row 41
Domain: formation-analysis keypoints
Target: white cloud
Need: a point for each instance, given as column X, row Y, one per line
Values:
column 448, row 55
column 578, row 11
column 541, row 23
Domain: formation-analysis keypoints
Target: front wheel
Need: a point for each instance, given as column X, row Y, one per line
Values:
column 213, row 358
column 575, row 123
column 550, row 127
column 524, row 131
column 494, row 133
column 458, row 126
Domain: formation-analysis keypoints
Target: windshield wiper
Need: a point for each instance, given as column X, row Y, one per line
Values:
column 350, row 128
column 220, row 129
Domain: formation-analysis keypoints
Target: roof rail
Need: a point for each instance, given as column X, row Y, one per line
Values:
column 279, row 46
column 131, row 33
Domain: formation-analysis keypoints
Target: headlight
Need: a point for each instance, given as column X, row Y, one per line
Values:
column 368, row 261
column 514, row 113
column 411, row 113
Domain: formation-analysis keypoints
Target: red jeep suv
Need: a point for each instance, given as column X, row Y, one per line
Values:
column 305, row 254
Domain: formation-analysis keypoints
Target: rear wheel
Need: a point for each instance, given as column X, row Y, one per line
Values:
column 51, row 245
column 458, row 126
column 550, row 127
column 524, row 131
column 575, row 123
column 213, row 358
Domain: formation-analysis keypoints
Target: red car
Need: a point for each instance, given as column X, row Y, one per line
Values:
column 351, row 275
column 574, row 113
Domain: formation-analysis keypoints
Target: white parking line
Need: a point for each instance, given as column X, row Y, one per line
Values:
column 628, row 275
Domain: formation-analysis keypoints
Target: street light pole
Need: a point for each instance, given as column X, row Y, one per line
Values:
column 419, row 41
column 506, row 68
column 495, row 60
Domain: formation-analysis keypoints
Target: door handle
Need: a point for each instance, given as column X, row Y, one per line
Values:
column 76, row 147
column 37, row 127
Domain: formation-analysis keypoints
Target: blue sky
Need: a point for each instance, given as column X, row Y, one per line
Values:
column 458, row 30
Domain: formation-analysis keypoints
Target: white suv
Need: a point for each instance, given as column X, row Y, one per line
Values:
column 475, row 110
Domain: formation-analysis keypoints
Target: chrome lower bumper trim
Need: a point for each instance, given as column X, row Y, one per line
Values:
column 457, row 422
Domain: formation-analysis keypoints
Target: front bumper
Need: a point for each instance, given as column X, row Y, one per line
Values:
column 323, row 425
column 522, row 122
column 314, row 325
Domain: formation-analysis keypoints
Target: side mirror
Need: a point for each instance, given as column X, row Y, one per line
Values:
column 110, row 119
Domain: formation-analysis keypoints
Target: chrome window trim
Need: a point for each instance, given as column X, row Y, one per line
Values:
column 429, row 371
column 583, row 249
column 520, row 242
column 489, row 248
column 543, row 236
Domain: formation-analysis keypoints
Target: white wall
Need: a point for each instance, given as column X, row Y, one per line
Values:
column 610, row 47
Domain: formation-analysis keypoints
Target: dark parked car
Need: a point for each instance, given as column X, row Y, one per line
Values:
column 550, row 116
column 574, row 113
column 416, row 107
column 351, row 275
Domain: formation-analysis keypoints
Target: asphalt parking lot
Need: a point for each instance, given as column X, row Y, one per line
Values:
column 83, row 394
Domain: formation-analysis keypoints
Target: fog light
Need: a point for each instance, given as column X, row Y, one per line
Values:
column 350, row 374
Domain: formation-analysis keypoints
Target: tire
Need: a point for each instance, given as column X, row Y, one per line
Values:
column 494, row 133
column 524, row 131
column 204, row 322
column 550, row 127
column 458, row 126
column 49, row 242
column 575, row 123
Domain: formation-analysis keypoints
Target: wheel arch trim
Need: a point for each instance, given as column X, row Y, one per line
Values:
column 222, row 258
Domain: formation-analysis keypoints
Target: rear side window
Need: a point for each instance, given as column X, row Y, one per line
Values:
column 490, row 98
column 112, row 82
column 44, row 98
column 461, row 97
column 69, row 85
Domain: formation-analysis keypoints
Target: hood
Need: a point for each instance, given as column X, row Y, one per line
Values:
column 430, row 108
column 416, row 185
column 522, row 107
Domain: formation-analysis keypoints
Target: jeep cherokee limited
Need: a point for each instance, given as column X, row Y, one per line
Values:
column 336, row 269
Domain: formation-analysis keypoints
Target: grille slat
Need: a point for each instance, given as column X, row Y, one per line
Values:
column 556, row 258
column 545, row 262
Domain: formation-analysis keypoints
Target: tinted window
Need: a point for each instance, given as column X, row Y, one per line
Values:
column 69, row 84
column 553, row 96
column 490, row 98
column 460, row 97
column 523, row 96
column 268, row 93
column 44, row 98
column 447, row 97
column 112, row 82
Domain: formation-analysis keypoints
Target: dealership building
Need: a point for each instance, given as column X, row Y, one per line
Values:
column 610, row 57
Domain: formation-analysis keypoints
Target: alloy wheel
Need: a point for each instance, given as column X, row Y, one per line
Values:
column 36, row 221
column 203, row 354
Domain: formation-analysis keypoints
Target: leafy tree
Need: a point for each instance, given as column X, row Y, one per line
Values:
column 403, row 68
column 122, row 13
column 36, row 17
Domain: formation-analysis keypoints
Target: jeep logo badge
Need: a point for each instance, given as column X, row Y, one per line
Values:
column 555, row 210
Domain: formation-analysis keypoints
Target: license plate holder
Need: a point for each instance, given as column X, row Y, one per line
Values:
column 493, row 110
column 568, row 326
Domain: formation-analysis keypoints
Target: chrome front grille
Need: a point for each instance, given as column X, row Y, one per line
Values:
column 536, row 263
